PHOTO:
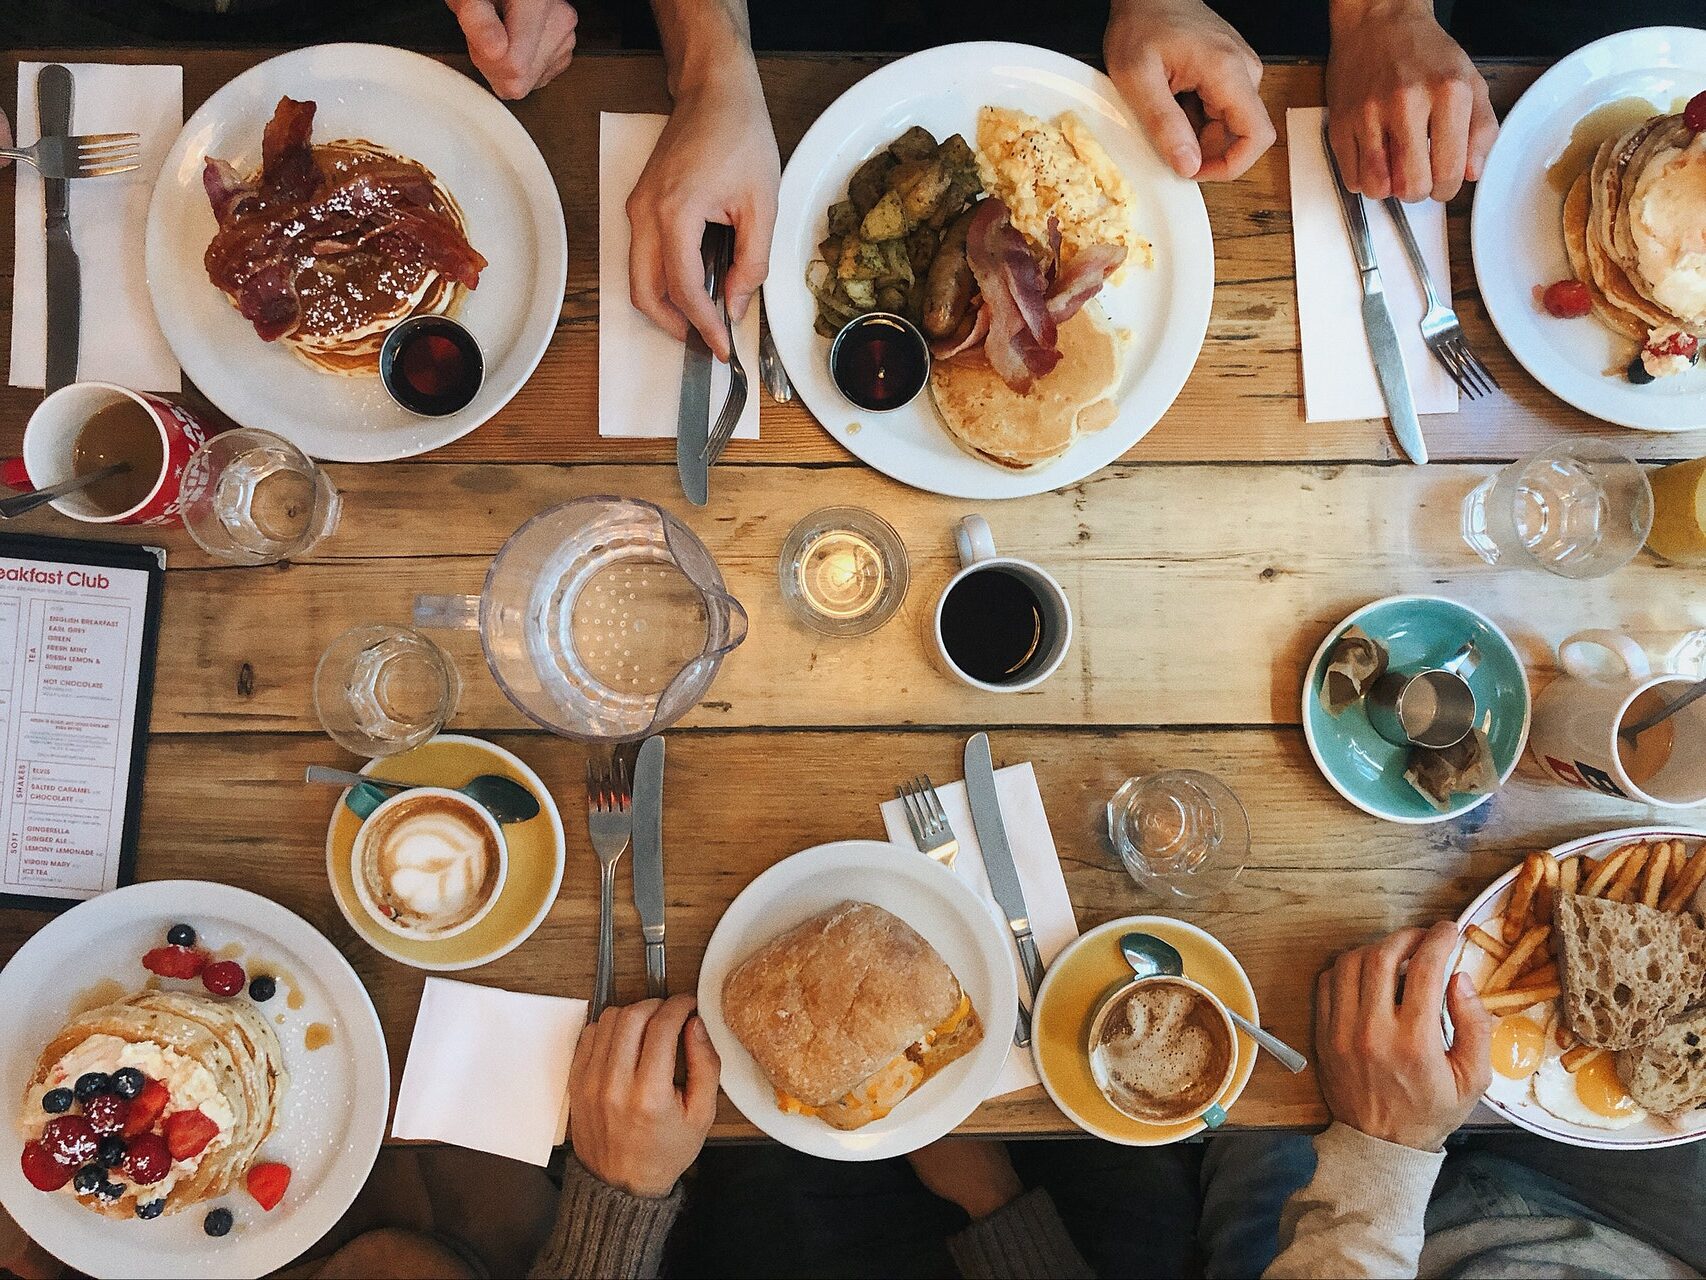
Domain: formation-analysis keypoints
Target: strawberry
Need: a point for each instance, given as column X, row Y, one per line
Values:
column 224, row 977
column 267, row 1183
column 1678, row 344
column 187, row 1133
column 145, row 1108
column 42, row 1170
column 71, row 1140
column 1694, row 114
column 148, row 1159
column 1567, row 299
column 175, row 962
column 106, row 1113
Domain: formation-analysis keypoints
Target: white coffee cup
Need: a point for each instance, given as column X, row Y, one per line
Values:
column 1577, row 716
column 976, row 546
column 376, row 823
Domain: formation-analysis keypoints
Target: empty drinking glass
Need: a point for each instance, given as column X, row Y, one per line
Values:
column 250, row 497
column 1179, row 832
column 382, row 689
column 1579, row 511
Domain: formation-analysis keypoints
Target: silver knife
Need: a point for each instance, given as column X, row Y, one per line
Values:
column 693, row 410
column 648, row 860
column 1003, row 875
column 64, row 284
column 1377, row 319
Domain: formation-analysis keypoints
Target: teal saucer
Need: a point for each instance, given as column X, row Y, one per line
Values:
column 1418, row 631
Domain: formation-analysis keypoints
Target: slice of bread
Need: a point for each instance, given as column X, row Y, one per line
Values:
column 1628, row 970
column 1668, row 1074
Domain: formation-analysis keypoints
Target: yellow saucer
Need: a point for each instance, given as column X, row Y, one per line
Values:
column 1075, row 985
column 535, row 857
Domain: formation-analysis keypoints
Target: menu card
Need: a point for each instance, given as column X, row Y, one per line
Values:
column 79, row 623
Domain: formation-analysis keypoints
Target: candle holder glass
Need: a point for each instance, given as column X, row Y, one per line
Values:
column 843, row 571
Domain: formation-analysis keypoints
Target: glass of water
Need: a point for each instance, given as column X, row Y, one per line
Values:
column 382, row 689
column 250, row 497
column 1180, row 832
column 1580, row 511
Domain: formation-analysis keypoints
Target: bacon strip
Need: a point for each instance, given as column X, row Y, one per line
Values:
column 1011, row 284
column 287, row 161
column 969, row 342
column 226, row 190
column 1083, row 279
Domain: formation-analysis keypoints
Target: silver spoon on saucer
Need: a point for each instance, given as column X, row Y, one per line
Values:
column 1150, row 957
column 504, row 798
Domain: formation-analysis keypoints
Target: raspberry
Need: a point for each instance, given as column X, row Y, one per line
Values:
column 107, row 1113
column 71, row 1140
column 148, row 1160
column 1694, row 114
column 1567, row 299
column 224, row 977
column 1678, row 344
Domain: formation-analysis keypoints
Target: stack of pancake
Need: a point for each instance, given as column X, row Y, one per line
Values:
column 1635, row 231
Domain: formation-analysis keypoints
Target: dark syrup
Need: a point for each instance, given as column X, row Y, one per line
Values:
column 880, row 362
column 993, row 627
column 432, row 367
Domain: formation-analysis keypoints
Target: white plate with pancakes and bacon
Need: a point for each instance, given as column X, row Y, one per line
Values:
column 1542, row 1079
column 1157, row 309
column 1620, row 225
column 423, row 193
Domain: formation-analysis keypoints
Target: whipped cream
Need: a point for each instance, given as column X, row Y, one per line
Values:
column 1667, row 221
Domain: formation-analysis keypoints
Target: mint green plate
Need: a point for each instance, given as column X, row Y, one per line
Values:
column 1418, row 631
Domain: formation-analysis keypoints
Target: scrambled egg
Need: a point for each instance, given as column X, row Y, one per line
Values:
column 1039, row 169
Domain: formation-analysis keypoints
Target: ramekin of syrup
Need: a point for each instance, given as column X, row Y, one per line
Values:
column 432, row 366
column 879, row 361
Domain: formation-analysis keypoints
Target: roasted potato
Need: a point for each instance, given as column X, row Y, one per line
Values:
column 863, row 293
column 870, row 180
column 885, row 219
column 843, row 218
column 916, row 143
column 861, row 260
column 892, row 297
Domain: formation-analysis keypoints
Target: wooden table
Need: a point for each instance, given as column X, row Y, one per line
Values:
column 1205, row 568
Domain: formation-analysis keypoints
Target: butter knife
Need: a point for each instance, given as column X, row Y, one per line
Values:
column 648, row 860
column 1377, row 319
column 64, row 283
column 693, row 410
column 1003, row 874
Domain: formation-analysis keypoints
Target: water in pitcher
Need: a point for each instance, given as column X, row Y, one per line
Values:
column 1575, row 513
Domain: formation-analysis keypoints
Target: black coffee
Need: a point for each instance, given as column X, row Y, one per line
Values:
column 994, row 627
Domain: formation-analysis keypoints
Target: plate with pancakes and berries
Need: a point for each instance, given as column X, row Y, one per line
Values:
column 1592, row 959
column 1587, row 229
column 325, row 196
column 197, row 1081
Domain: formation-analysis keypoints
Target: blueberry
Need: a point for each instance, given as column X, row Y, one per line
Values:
column 128, row 1082
column 1637, row 372
column 110, row 1153
column 181, row 935
column 109, row 1191
column 88, row 1178
column 263, row 988
column 92, row 1084
column 55, row 1101
column 217, row 1222
column 147, row 1209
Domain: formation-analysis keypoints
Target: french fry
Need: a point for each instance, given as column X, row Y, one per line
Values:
column 1569, row 875
column 1546, row 897
column 1521, row 901
column 1561, row 1034
column 1577, row 1058
column 1517, row 999
column 1494, row 947
column 1687, row 881
column 1541, row 963
column 1623, row 888
column 1653, row 880
column 1517, row 960
column 1607, row 870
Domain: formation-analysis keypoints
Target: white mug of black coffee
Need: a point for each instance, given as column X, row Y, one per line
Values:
column 1002, row 624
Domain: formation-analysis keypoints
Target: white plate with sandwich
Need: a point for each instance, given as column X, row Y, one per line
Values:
column 862, row 999
column 1605, row 1052
column 1125, row 356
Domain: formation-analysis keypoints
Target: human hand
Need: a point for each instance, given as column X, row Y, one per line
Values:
column 1157, row 49
column 716, row 161
column 975, row 1174
column 631, row 1126
column 1383, row 1064
column 5, row 138
column 1407, row 113
column 518, row 45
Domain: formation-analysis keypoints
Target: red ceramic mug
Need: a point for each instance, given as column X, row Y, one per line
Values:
column 53, row 429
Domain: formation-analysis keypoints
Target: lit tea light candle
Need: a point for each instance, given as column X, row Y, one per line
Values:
column 841, row 574
column 843, row 571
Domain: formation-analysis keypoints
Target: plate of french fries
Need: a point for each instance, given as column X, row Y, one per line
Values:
column 1543, row 1079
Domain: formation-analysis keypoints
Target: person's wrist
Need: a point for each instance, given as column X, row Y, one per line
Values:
column 1343, row 15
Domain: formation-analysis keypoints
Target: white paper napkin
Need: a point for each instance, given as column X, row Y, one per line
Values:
column 1053, row 924
column 121, row 340
column 489, row 1070
column 639, row 365
column 1338, row 372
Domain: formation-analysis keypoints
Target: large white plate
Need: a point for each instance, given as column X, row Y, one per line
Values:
column 1165, row 308
column 945, row 913
column 1518, row 240
column 1512, row 1098
column 428, row 112
column 332, row 1116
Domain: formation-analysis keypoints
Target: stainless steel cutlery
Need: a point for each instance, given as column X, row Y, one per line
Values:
column 648, row 860
column 64, row 278
column 1003, row 874
column 87, row 155
column 928, row 820
column 610, row 823
column 1440, row 329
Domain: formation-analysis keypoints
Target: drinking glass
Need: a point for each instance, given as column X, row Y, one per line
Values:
column 1180, row 832
column 1580, row 511
column 843, row 571
column 250, row 497
column 382, row 689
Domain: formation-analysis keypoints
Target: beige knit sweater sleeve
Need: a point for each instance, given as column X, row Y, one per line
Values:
column 605, row 1232
column 1361, row 1214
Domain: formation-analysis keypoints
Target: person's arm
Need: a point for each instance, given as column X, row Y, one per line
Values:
column 518, row 45
column 716, row 161
column 634, row 1133
column 1013, row 1232
column 1407, row 113
column 1158, row 50
column 1396, row 1093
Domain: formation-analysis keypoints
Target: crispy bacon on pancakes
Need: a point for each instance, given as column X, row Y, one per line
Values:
column 328, row 247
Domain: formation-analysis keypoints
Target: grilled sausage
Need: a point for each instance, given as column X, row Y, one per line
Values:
column 948, row 285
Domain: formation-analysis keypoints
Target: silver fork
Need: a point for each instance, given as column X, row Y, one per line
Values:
column 928, row 820
column 610, row 822
column 735, row 402
column 87, row 155
column 1440, row 329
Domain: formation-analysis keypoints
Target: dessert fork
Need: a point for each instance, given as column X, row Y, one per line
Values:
column 928, row 820
column 1440, row 329
column 735, row 402
column 610, row 823
column 87, row 155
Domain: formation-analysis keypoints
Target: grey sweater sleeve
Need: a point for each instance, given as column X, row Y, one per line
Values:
column 1023, row 1238
column 602, row 1231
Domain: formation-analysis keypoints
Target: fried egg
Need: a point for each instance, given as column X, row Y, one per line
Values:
column 1520, row 1045
column 1593, row 1096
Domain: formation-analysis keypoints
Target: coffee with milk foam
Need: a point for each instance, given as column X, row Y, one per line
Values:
column 429, row 864
column 1162, row 1053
